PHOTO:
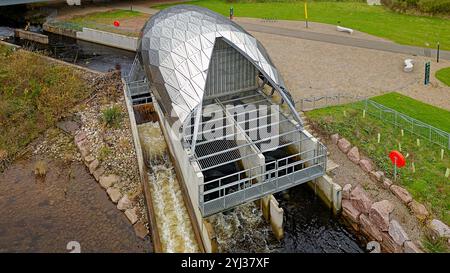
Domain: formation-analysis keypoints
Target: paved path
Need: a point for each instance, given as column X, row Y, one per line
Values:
column 347, row 41
column 142, row 6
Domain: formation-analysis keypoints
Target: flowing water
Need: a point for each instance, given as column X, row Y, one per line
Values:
column 172, row 218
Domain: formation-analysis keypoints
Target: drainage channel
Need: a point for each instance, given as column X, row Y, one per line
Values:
column 172, row 218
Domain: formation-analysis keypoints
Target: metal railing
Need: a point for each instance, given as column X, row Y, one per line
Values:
column 408, row 123
column 254, row 183
column 311, row 103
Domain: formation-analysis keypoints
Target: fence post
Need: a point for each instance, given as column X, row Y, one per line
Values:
column 395, row 121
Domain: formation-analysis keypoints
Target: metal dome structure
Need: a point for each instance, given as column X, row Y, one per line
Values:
column 176, row 50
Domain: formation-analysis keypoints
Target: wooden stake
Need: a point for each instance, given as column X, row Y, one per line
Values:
column 442, row 154
column 379, row 137
column 364, row 113
column 447, row 172
column 345, row 113
column 418, row 142
column 403, row 132
column 413, row 167
column 399, row 146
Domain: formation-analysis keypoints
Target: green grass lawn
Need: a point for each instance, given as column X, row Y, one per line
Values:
column 34, row 93
column 375, row 20
column 105, row 21
column 427, row 184
column 444, row 75
column 437, row 117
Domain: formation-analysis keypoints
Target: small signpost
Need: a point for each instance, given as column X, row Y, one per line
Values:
column 398, row 160
column 427, row 73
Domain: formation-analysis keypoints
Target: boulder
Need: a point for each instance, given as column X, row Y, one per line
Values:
column 397, row 233
column 98, row 173
column 418, row 210
column 439, row 228
column 80, row 137
column 114, row 194
column 401, row 194
column 376, row 176
column 387, row 183
column 389, row 245
column 353, row 155
column 368, row 228
column 83, row 147
column 124, row 203
column 344, row 145
column 140, row 230
column 88, row 159
column 93, row 166
column 349, row 211
column 379, row 214
column 360, row 200
column 366, row 165
column 410, row 247
column 346, row 191
column 107, row 181
column 335, row 138
column 132, row 215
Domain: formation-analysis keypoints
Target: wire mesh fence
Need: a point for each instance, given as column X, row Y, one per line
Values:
column 381, row 112
column 407, row 123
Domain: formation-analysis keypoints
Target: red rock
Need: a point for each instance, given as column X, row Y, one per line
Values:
column 353, row 155
column 387, row 183
column 439, row 228
column 349, row 211
column 93, row 166
column 379, row 214
column 335, row 138
column 80, row 137
column 389, row 245
column 346, row 191
column 410, row 247
column 366, row 165
column 368, row 228
column 140, row 230
column 344, row 145
column 418, row 210
column 376, row 176
column 401, row 194
column 397, row 233
column 360, row 200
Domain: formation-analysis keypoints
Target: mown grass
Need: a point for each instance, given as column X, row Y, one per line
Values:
column 437, row 117
column 427, row 184
column 104, row 20
column 375, row 20
column 34, row 93
column 444, row 75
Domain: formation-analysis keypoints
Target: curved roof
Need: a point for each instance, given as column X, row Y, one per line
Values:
column 176, row 46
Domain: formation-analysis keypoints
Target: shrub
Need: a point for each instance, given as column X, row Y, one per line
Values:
column 40, row 168
column 112, row 116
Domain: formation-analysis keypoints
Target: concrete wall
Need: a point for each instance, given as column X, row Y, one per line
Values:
column 108, row 38
column 143, row 174
column 190, row 177
column 31, row 36
column 328, row 191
